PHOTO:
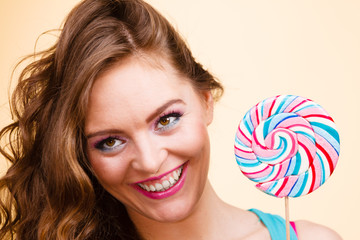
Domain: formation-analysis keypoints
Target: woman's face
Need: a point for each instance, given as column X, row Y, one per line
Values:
column 148, row 144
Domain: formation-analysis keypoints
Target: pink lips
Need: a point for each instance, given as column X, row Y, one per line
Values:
column 164, row 193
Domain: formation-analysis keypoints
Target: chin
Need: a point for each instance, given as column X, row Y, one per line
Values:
column 175, row 213
column 177, row 209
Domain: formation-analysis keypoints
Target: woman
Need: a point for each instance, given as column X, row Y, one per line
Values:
column 109, row 139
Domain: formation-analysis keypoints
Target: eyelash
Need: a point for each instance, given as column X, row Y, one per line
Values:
column 177, row 115
column 101, row 144
column 173, row 114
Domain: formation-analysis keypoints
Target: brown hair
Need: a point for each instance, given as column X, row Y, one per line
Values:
column 49, row 192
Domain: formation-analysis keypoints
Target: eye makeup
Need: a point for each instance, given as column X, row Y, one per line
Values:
column 167, row 121
column 109, row 144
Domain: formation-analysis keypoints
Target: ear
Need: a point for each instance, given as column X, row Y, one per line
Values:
column 209, row 105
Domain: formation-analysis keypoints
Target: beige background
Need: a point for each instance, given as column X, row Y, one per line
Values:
column 258, row 49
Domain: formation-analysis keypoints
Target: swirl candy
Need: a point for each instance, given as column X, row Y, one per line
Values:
column 288, row 145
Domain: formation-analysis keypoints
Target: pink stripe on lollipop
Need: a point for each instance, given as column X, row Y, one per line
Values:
column 294, row 142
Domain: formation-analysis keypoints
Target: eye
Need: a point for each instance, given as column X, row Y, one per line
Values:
column 109, row 144
column 167, row 121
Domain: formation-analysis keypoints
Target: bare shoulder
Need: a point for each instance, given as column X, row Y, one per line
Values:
column 308, row 230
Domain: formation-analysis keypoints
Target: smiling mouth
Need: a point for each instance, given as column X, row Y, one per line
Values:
column 164, row 183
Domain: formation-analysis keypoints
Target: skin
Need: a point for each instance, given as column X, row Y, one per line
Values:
column 126, row 102
column 153, row 120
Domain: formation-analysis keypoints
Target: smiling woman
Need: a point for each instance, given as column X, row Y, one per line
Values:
column 110, row 140
column 151, row 143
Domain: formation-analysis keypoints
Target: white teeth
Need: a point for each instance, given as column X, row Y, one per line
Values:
column 172, row 181
column 166, row 184
column 159, row 187
column 176, row 175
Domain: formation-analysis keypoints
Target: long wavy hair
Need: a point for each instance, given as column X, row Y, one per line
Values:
column 49, row 191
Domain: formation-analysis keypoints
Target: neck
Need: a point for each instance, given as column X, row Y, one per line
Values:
column 203, row 222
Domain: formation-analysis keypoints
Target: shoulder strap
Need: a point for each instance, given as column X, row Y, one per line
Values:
column 275, row 224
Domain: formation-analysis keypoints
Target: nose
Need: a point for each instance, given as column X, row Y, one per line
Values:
column 150, row 154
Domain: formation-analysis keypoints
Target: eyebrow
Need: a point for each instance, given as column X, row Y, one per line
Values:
column 162, row 108
column 153, row 115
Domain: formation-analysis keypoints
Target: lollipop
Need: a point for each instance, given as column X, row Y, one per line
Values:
column 288, row 145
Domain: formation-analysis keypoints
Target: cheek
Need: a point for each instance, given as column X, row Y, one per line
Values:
column 109, row 171
column 193, row 140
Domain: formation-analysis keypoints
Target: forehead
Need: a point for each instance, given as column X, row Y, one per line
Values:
column 138, row 77
column 134, row 88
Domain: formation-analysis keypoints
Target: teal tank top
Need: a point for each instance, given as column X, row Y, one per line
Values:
column 275, row 224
